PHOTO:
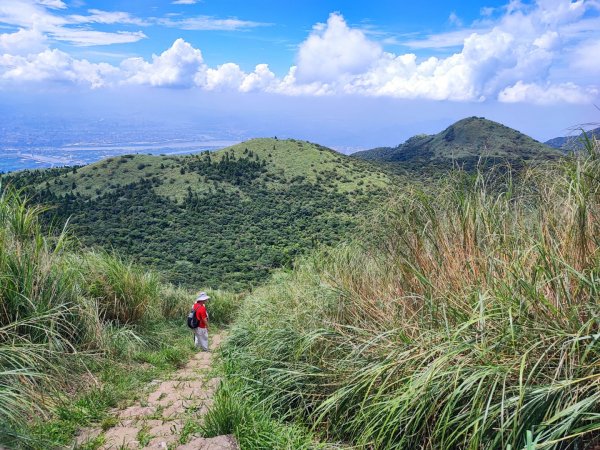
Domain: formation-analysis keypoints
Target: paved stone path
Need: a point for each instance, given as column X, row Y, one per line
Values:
column 159, row 421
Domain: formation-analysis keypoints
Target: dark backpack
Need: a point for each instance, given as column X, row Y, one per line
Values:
column 192, row 320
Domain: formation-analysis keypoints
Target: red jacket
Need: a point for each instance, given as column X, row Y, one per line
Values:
column 201, row 315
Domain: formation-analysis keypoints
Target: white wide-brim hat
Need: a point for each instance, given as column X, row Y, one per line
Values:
column 202, row 297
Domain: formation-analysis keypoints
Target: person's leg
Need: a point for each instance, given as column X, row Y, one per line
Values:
column 197, row 337
column 203, row 338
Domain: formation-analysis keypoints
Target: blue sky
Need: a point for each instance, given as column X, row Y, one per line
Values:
column 351, row 74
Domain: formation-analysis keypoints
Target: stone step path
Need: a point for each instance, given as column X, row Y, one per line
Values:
column 159, row 421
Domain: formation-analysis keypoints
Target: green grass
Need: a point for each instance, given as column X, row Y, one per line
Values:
column 124, row 293
column 315, row 163
column 252, row 424
column 114, row 384
column 467, row 318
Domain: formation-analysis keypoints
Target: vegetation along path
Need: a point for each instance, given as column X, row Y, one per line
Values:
column 169, row 416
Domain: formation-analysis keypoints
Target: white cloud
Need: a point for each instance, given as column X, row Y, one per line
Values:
column 262, row 79
column 586, row 57
column 453, row 19
column 179, row 66
column 55, row 4
column 518, row 56
column 107, row 17
column 556, row 12
column 209, row 23
column 550, row 40
column 546, row 94
column 74, row 29
column 226, row 76
column 344, row 60
column 442, row 40
column 85, row 38
column 486, row 11
column 54, row 66
column 185, row 2
column 22, row 42
column 333, row 50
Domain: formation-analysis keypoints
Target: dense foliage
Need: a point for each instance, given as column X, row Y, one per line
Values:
column 469, row 320
column 236, row 222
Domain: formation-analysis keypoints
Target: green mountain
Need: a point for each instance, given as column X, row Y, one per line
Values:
column 572, row 143
column 222, row 219
column 466, row 143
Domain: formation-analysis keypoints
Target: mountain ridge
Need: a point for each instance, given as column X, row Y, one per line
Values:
column 466, row 143
column 573, row 142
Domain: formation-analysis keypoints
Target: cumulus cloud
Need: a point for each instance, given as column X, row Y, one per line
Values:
column 227, row 76
column 334, row 49
column 22, row 42
column 520, row 49
column 546, row 94
column 54, row 66
column 180, row 66
column 517, row 57
column 262, row 79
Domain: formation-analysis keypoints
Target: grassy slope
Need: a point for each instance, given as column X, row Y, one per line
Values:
column 289, row 158
column 317, row 163
column 468, row 320
column 224, row 219
column 464, row 142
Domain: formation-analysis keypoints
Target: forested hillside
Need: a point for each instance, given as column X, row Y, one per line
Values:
column 222, row 219
column 467, row 143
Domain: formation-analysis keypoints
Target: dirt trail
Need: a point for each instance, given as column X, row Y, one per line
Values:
column 158, row 422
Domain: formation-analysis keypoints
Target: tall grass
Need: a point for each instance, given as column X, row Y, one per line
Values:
column 468, row 319
column 124, row 293
column 59, row 307
column 39, row 322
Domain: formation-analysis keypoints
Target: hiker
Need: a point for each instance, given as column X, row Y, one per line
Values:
column 201, row 332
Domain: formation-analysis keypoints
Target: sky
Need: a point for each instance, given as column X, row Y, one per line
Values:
column 346, row 74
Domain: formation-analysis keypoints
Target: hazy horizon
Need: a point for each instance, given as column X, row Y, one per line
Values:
column 350, row 77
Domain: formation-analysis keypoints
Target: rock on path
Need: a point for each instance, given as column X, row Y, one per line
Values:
column 158, row 422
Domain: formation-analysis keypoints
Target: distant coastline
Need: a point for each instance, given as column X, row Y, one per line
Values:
column 36, row 157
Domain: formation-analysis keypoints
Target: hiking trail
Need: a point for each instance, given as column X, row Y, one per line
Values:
column 158, row 421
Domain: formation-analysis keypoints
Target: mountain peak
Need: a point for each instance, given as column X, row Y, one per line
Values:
column 465, row 142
